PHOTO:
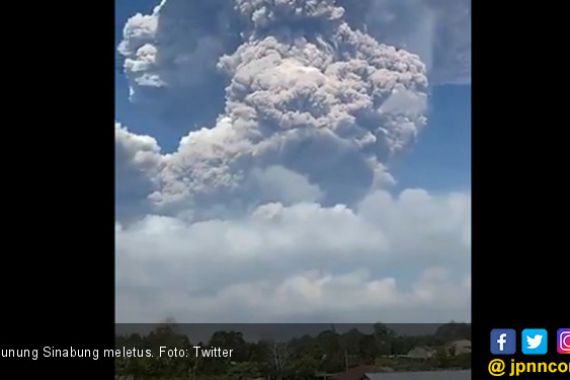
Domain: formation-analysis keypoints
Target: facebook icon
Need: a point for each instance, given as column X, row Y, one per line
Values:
column 503, row 341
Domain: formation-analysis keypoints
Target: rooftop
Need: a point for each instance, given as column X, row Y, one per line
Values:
column 431, row 375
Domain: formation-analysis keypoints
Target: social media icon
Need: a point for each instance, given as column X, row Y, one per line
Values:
column 563, row 341
column 534, row 342
column 503, row 341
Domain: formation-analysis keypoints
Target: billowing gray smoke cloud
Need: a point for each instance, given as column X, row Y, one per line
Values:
column 308, row 93
column 137, row 164
column 171, row 55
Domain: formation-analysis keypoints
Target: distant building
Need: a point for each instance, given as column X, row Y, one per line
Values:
column 422, row 352
column 371, row 373
column 459, row 347
column 428, row 375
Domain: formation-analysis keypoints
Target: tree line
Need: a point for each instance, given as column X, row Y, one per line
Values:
column 303, row 358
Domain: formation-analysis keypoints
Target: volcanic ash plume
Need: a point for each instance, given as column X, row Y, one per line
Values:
column 306, row 93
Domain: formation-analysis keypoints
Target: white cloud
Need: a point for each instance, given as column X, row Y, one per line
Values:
column 281, row 263
column 308, row 297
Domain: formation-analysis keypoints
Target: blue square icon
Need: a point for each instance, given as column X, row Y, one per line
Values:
column 503, row 341
column 534, row 341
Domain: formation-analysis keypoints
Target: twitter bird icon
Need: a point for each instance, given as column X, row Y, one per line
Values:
column 534, row 342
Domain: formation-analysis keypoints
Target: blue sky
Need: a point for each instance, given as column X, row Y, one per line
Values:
column 283, row 206
column 441, row 160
